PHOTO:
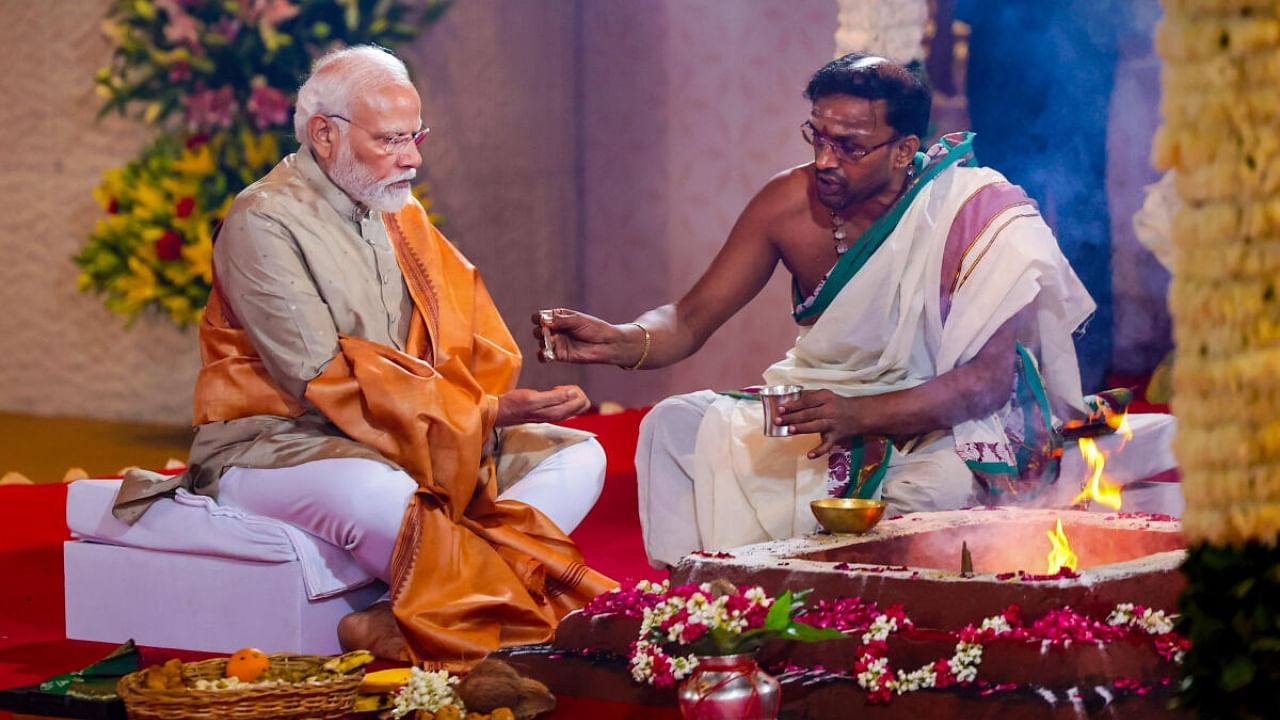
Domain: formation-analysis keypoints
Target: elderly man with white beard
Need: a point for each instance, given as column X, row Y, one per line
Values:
column 358, row 383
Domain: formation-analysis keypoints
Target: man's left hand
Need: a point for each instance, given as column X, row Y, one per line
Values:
column 524, row 406
column 822, row 412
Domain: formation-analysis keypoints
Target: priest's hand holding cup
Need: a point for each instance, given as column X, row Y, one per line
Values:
column 822, row 412
column 570, row 336
column 525, row 406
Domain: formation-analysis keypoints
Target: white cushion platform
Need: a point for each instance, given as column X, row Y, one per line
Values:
column 197, row 576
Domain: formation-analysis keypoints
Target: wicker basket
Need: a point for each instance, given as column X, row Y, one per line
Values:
column 326, row 700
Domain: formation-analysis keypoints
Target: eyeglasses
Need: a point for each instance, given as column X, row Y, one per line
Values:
column 392, row 144
column 842, row 149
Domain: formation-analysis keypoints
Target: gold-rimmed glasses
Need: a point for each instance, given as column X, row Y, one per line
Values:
column 845, row 150
column 392, row 144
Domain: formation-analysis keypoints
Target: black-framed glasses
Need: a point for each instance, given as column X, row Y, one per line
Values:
column 392, row 144
column 843, row 149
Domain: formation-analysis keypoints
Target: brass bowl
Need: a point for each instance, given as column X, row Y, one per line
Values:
column 847, row 515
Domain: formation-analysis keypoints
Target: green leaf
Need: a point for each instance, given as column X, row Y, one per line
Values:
column 779, row 614
column 1237, row 674
column 1265, row 644
column 1242, row 589
column 807, row 633
column 723, row 639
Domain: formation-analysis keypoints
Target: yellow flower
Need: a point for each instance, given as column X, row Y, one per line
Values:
column 180, row 309
column 179, row 187
column 139, row 286
column 111, row 225
column 149, row 201
column 222, row 211
column 113, row 32
column 144, row 9
column 146, row 250
column 113, row 181
column 199, row 255
column 260, row 150
column 198, row 162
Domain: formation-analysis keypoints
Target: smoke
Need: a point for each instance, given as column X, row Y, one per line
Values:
column 1040, row 78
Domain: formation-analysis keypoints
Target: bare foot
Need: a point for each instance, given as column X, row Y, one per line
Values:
column 373, row 629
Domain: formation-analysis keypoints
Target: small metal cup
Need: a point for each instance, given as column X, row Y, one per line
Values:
column 772, row 396
column 548, row 352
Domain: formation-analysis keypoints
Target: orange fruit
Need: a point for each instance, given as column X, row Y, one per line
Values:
column 247, row 664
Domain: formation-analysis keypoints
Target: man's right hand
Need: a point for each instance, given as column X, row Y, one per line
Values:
column 525, row 406
column 580, row 338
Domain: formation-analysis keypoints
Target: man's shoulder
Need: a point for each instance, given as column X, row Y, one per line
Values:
column 266, row 210
column 967, row 179
column 280, row 192
column 786, row 192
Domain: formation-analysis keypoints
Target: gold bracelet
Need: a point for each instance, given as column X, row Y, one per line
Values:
column 645, row 354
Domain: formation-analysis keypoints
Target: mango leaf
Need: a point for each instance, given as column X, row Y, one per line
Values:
column 779, row 613
column 807, row 633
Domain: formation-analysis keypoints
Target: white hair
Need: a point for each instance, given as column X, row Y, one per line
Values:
column 339, row 76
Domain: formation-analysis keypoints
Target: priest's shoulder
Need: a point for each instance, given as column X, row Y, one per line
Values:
column 785, row 193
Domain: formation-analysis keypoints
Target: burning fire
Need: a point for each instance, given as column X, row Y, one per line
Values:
column 1098, row 488
column 1061, row 555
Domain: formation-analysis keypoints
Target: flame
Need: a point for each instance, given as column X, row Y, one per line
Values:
column 1097, row 489
column 1061, row 555
column 1120, row 424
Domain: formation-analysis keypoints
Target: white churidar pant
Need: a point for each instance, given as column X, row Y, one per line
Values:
column 358, row 504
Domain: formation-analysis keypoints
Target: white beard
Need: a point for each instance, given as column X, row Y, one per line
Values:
column 356, row 180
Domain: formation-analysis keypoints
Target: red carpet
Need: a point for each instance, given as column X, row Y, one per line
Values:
column 33, row 526
column 32, row 529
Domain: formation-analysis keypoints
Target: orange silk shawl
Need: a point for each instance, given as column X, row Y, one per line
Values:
column 469, row 573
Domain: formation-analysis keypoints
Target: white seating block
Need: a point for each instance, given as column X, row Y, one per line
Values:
column 199, row 602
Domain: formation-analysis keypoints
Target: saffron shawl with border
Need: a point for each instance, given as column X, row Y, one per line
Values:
column 967, row 253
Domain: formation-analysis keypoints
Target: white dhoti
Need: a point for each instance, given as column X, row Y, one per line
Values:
column 931, row 476
column 358, row 504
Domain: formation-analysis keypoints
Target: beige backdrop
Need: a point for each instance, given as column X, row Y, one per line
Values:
column 65, row 354
column 589, row 153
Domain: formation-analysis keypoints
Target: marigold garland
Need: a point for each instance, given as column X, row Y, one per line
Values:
column 1221, row 108
column 1219, row 135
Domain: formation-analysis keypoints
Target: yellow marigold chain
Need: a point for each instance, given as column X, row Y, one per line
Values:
column 1222, row 63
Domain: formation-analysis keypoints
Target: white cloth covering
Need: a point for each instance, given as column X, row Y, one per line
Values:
column 337, row 517
column 930, row 477
column 195, row 525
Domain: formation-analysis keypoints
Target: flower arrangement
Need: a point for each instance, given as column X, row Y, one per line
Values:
column 717, row 618
column 216, row 78
column 1056, row 628
column 665, row 613
column 155, row 245
column 429, row 691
